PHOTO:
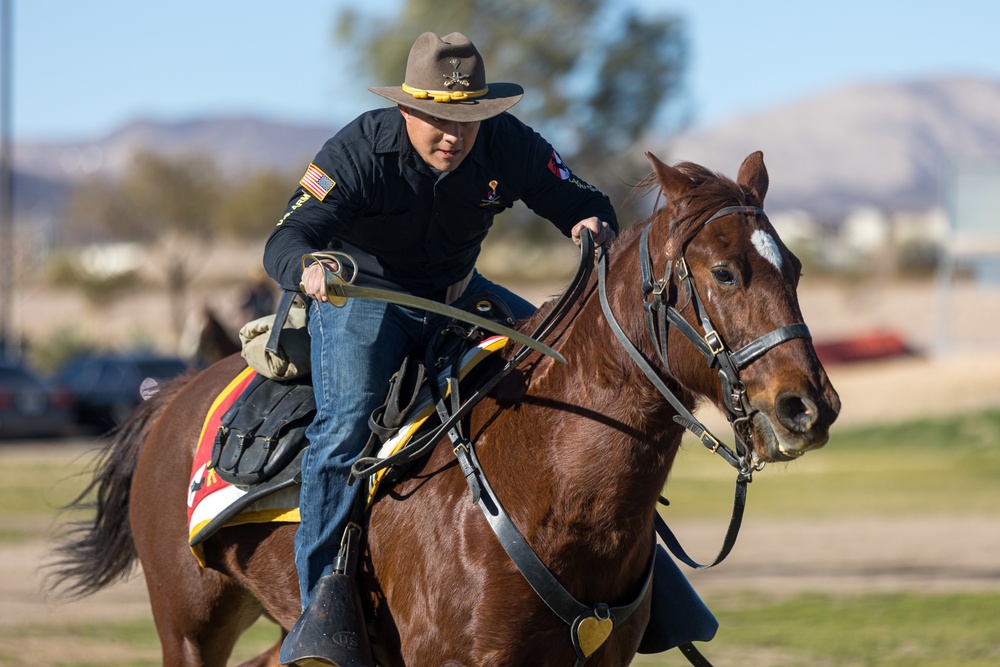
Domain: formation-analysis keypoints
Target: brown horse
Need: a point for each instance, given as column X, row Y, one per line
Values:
column 578, row 459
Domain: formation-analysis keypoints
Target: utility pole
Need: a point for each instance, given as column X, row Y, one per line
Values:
column 6, row 184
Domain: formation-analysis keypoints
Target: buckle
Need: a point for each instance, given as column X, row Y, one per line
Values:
column 714, row 341
column 711, row 442
column 682, row 269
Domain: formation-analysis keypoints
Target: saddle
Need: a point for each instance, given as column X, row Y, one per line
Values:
column 256, row 429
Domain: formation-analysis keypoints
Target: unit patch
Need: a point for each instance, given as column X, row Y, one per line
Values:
column 492, row 199
column 316, row 182
column 558, row 167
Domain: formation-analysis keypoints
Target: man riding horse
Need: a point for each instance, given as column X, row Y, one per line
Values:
column 409, row 192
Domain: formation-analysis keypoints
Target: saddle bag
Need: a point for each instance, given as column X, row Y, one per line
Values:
column 263, row 430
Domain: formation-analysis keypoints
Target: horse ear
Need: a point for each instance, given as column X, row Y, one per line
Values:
column 673, row 182
column 753, row 176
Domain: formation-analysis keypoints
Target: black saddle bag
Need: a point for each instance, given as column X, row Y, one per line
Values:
column 263, row 430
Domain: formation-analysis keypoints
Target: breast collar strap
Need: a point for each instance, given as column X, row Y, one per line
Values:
column 584, row 621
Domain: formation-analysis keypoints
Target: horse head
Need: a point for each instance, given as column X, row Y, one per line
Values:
column 733, row 281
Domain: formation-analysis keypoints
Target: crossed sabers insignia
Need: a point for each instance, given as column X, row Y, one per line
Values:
column 455, row 77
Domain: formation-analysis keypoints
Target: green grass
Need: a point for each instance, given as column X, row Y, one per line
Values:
column 812, row 630
column 114, row 644
column 32, row 491
column 936, row 466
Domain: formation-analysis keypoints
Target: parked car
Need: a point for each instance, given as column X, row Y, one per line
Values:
column 30, row 407
column 107, row 387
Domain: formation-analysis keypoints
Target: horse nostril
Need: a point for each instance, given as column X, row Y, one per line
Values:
column 796, row 413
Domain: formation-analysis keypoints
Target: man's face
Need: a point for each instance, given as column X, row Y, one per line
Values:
column 442, row 144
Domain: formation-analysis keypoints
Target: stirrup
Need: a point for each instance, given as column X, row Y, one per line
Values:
column 331, row 631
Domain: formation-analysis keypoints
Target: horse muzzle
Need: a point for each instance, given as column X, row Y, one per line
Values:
column 794, row 425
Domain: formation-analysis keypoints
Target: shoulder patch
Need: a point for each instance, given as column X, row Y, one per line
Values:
column 316, row 182
column 558, row 167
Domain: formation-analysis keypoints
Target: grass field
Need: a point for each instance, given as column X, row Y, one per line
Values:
column 941, row 466
column 946, row 467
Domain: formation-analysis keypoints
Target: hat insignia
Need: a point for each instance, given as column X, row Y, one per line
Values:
column 455, row 77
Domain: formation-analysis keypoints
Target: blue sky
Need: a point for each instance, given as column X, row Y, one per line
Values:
column 82, row 69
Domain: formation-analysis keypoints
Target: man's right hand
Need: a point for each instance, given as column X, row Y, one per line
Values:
column 313, row 282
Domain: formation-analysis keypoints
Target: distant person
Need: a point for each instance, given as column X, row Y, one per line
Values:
column 410, row 193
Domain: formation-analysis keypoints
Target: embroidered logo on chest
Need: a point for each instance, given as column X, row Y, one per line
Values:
column 492, row 198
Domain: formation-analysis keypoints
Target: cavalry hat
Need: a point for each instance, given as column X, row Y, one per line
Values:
column 446, row 77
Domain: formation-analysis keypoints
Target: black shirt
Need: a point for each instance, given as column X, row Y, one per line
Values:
column 408, row 227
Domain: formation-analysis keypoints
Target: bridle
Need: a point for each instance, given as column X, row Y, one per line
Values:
column 661, row 314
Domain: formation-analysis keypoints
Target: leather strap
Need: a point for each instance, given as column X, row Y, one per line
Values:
column 750, row 352
column 693, row 655
column 728, row 542
column 684, row 416
column 280, row 315
column 538, row 576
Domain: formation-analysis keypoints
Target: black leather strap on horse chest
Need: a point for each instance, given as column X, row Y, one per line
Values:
column 589, row 626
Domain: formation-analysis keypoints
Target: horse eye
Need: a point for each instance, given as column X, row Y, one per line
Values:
column 724, row 276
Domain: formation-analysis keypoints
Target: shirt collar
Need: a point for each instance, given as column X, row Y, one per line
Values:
column 389, row 134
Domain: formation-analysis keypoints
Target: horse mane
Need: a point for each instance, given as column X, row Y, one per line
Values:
column 710, row 192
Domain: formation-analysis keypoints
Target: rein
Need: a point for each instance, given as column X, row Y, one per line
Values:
column 660, row 315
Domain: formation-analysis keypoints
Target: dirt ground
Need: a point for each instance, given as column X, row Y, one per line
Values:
column 955, row 369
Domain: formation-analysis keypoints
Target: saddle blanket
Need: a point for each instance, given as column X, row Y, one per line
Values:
column 214, row 502
column 209, row 496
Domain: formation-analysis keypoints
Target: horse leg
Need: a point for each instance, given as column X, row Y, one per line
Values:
column 199, row 622
column 200, row 613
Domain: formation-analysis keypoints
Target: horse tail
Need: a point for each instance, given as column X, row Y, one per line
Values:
column 97, row 552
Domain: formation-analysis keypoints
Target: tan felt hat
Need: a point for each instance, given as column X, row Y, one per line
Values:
column 446, row 78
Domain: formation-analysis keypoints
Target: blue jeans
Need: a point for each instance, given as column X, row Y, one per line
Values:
column 355, row 350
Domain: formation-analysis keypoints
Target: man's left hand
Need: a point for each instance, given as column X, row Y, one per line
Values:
column 600, row 230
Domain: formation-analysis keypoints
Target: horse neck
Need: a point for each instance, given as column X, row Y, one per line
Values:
column 614, row 441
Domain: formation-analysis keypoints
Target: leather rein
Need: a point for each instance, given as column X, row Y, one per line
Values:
column 660, row 316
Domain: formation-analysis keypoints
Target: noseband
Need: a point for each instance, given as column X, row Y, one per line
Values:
column 660, row 315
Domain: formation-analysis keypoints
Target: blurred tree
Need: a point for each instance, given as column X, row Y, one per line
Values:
column 169, row 202
column 252, row 206
column 596, row 75
column 176, row 206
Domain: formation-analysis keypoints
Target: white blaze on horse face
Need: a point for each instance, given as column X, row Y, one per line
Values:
column 767, row 247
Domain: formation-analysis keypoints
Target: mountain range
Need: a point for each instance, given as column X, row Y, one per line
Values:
column 888, row 145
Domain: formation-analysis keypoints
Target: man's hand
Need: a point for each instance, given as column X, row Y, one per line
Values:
column 600, row 230
column 313, row 282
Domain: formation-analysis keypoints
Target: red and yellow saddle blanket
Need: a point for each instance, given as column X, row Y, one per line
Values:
column 210, row 497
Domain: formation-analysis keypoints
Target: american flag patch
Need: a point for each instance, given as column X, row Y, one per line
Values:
column 316, row 182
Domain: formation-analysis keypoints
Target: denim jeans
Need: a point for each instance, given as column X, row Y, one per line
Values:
column 355, row 350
